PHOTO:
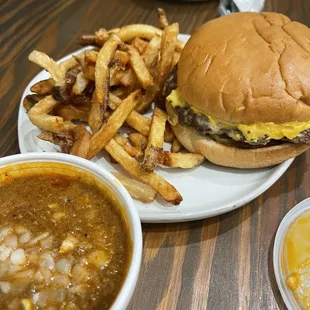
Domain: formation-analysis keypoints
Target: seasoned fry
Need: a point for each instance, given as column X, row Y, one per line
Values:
column 49, row 65
column 139, row 44
column 70, row 112
column 151, row 53
column 179, row 160
column 139, row 67
column 30, row 100
column 159, row 184
column 136, row 189
column 110, row 128
column 155, row 141
column 81, row 144
column 80, row 84
column 139, row 123
column 176, row 146
column 162, row 18
column 43, row 87
column 168, row 44
column 104, row 58
column 38, row 115
column 169, row 135
column 138, row 140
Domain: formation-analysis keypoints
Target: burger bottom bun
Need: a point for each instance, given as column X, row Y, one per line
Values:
column 229, row 156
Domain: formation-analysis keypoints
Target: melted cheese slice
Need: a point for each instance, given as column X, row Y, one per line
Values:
column 252, row 132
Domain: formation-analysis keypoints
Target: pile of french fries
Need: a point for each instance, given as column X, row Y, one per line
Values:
column 94, row 94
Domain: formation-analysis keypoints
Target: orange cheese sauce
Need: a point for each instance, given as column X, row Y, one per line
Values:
column 296, row 259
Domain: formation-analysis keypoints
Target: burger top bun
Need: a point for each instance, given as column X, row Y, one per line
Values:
column 248, row 68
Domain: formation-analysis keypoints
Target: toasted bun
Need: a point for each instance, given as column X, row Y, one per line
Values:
column 248, row 68
column 230, row 156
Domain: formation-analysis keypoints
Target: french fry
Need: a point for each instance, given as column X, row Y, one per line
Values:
column 70, row 63
column 139, row 123
column 70, row 112
column 159, row 184
column 151, row 53
column 130, row 32
column 43, row 87
column 114, row 101
column 155, row 141
column 136, row 189
column 64, row 139
column 110, row 128
column 104, row 58
column 80, row 84
column 147, row 99
column 168, row 44
column 30, row 100
column 49, row 65
column 102, row 36
column 131, row 150
column 128, row 78
column 168, row 135
column 139, row 44
column 88, row 39
column 95, row 117
column 176, row 58
column 81, row 144
column 139, row 67
column 90, row 56
column 121, row 57
column 179, row 160
column 39, row 116
column 162, row 18
column 138, row 140
column 89, row 72
column 176, row 146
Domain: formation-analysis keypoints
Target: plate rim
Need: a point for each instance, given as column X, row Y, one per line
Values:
column 276, row 173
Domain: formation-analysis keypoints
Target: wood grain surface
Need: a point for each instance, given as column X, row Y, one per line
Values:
column 223, row 262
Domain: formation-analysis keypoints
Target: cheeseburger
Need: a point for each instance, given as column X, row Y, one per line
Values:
column 241, row 93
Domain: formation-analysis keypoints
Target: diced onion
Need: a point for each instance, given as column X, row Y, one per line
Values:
column 3, row 232
column 4, row 267
column 19, row 229
column 5, row 287
column 18, row 257
column 47, row 261
column 64, row 266
column 68, row 244
column 47, row 243
column 26, row 274
column 27, row 303
column 47, row 275
column 24, row 238
column 39, row 276
column 99, row 258
column 80, row 274
column 61, row 280
column 38, row 238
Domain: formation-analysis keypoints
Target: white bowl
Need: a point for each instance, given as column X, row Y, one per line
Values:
column 289, row 218
column 125, row 294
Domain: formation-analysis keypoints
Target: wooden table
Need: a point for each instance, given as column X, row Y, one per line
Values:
column 220, row 263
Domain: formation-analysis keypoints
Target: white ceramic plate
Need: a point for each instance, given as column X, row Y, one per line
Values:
column 207, row 191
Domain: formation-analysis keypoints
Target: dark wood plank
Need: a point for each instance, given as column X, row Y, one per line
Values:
column 220, row 263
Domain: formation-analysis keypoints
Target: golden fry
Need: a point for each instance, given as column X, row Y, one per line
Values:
column 114, row 101
column 138, row 140
column 95, row 117
column 139, row 123
column 162, row 18
column 147, row 99
column 30, row 100
column 176, row 58
column 49, row 65
column 179, row 160
column 39, row 116
column 151, row 53
column 101, row 36
column 80, row 84
column 136, row 189
column 139, row 44
column 140, row 68
column 176, row 146
column 168, row 44
column 70, row 112
column 89, row 72
column 104, row 58
column 155, row 141
column 169, row 135
column 130, row 32
column 90, row 56
column 121, row 57
column 81, row 144
column 43, row 87
column 159, row 184
column 116, row 120
column 131, row 150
